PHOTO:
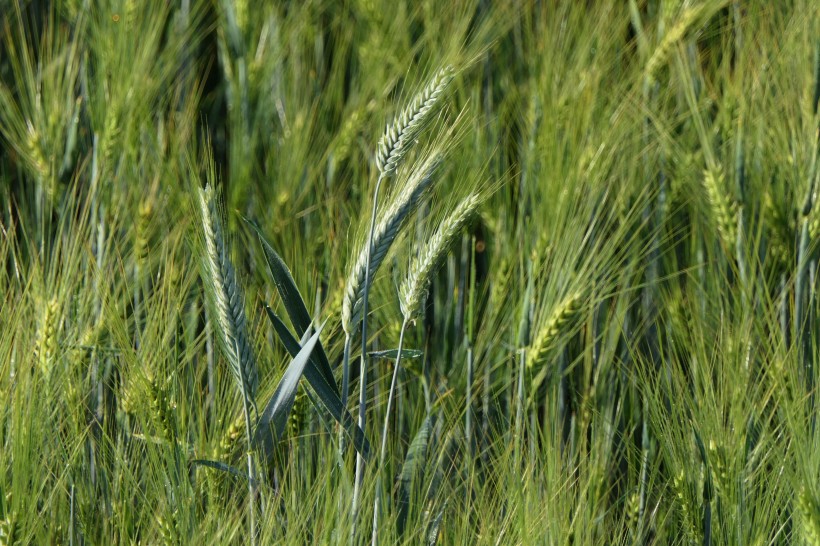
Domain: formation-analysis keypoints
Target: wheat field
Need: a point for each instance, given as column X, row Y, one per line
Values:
column 409, row 272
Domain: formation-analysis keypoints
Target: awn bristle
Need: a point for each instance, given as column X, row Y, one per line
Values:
column 414, row 289
column 226, row 298
column 399, row 136
column 385, row 233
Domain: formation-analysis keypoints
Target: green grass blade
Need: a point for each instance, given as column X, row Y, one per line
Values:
column 276, row 412
column 294, row 304
column 328, row 392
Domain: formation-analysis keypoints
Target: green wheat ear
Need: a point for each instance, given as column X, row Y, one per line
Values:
column 414, row 289
column 400, row 136
column 225, row 298
column 809, row 511
column 550, row 331
column 388, row 228
column 723, row 209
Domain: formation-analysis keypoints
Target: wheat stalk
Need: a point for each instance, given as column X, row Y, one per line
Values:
column 414, row 289
column 383, row 236
column 399, row 136
column 226, row 298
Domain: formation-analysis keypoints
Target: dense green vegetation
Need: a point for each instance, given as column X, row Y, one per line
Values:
column 595, row 242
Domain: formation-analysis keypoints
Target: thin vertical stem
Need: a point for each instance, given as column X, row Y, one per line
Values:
column 357, row 487
column 519, row 410
column 383, row 450
column 251, row 477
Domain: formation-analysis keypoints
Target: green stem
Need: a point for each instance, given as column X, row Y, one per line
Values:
column 252, row 479
column 357, row 487
column 383, row 450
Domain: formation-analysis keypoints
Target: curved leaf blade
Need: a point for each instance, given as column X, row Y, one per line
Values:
column 328, row 392
column 274, row 417
column 294, row 303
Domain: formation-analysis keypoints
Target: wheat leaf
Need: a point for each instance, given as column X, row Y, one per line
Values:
column 328, row 392
column 296, row 308
column 274, row 417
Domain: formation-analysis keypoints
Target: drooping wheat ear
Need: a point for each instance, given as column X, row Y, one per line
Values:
column 399, row 136
column 685, row 21
column 46, row 349
column 225, row 296
column 810, row 516
column 414, row 289
column 724, row 209
column 392, row 220
column 550, row 331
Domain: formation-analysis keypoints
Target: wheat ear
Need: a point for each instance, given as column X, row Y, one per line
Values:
column 414, row 289
column 685, row 21
column 225, row 295
column 385, row 233
column 400, row 135
column 810, row 516
column 550, row 330
column 723, row 208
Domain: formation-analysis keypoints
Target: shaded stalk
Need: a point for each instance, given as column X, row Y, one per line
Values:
column 383, row 451
column 357, row 487
column 519, row 410
column 251, row 476
column 469, row 334
column 344, row 394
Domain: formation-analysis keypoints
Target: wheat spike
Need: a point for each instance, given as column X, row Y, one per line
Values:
column 385, row 233
column 723, row 209
column 810, row 516
column 549, row 332
column 685, row 21
column 399, row 136
column 226, row 298
column 46, row 350
column 414, row 289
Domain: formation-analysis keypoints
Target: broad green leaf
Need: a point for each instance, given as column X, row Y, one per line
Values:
column 276, row 412
column 294, row 304
column 328, row 395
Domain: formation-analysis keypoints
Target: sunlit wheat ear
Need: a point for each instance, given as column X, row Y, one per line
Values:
column 392, row 220
column 399, row 136
column 46, row 349
column 550, row 331
column 810, row 517
column 225, row 298
column 414, row 289
column 685, row 21
column 723, row 209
